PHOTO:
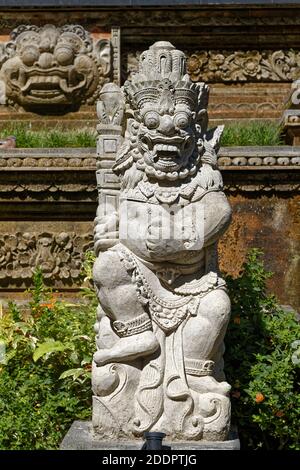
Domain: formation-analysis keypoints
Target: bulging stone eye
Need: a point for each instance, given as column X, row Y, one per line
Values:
column 30, row 55
column 151, row 119
column 64, row 54
column 181, row 120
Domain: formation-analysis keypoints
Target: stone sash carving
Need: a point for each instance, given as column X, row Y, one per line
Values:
column 163, row 308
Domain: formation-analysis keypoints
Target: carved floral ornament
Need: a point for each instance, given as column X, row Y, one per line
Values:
column 235, row 66
column 49, row 66
column 244, row 65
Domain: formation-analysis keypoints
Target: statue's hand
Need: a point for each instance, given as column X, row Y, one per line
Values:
column 106, row 231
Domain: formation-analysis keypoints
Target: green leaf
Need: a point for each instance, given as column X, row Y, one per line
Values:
column 49, row 347
column 75, row 373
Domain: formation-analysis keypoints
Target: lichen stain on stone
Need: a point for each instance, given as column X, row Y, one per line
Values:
column 238, row 239
column 292, row 277
column 271, row 223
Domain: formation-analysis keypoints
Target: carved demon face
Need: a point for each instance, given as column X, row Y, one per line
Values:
column 167, row 135
column 167, row 140
column 166, row 119
column 52, row 66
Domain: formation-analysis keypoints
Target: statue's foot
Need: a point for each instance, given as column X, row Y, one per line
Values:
column 207, row 384
column 128, row 348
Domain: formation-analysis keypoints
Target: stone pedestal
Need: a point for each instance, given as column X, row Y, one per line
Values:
column 82, row 437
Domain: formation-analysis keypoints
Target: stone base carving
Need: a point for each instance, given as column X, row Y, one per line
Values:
column 81, row 436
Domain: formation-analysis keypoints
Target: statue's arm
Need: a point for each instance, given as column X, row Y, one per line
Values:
column 106, row 231
column 217, row 216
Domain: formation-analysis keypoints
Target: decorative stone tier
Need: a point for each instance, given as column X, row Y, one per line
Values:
column 59, row 159
column 48, row 199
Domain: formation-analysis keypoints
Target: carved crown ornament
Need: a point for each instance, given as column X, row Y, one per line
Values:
column 53, row 68
column 217, row 66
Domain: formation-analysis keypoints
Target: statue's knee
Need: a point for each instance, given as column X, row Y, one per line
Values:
column 216, row 307
column 107, row 269
column 223, row 306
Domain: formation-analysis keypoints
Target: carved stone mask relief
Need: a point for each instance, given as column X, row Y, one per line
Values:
column 52, row 67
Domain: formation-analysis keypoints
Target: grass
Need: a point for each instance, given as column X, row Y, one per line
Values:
column 52, row 138
column 258, row 133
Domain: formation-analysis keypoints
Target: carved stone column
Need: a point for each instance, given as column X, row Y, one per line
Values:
column 291, row 116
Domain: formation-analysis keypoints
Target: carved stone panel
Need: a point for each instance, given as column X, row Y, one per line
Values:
column 53, row 69
column 59, row 255
column 218, row 66
column 241, row 66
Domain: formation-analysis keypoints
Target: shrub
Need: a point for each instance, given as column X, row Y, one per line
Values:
column 261, row 362
column 45, row 377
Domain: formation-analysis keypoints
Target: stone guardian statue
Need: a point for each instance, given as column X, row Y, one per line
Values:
column 163, row 307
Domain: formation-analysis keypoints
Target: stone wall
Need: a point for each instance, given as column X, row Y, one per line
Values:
column 48, row 201
column 248, row 55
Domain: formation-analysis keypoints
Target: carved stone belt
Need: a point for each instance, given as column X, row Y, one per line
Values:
column 168, row 272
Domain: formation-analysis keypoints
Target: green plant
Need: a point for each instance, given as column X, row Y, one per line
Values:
column 87, row 290
column 45, row 374
column 260, row 344
column 262, row 132
column 53, row 138
column 251, row 133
